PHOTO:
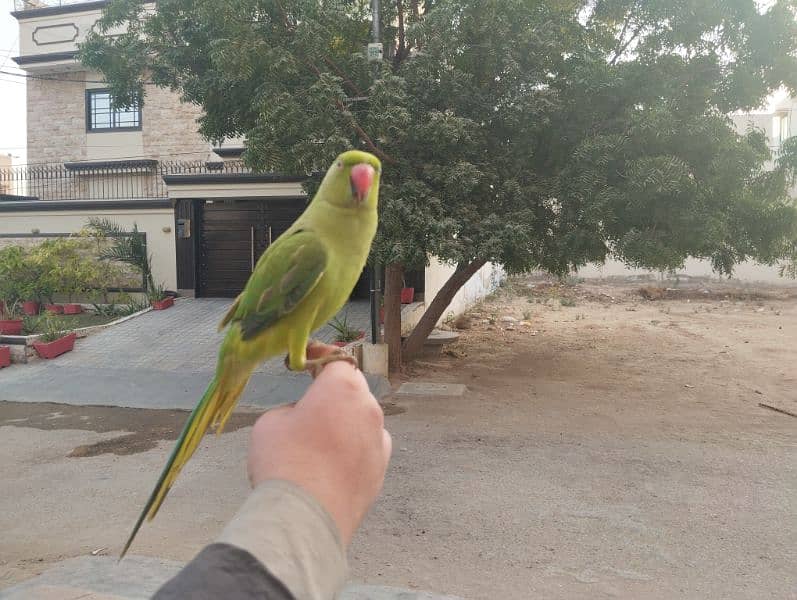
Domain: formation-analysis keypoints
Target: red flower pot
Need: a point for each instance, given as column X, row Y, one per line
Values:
column 55, row 309
column 31, row 308
column 72, row 309
column 343, row 344
column 407, row 295
column 167, row 302
column 57, row 348
column 11, row 327
column 5, row 356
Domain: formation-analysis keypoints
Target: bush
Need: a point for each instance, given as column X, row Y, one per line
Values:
column 12, row 275
column 63, row 266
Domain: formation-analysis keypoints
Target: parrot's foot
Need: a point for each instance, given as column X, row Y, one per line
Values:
column 315, row 365
column 312, row 349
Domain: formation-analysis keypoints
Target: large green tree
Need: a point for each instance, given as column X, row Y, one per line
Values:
column 539, row 134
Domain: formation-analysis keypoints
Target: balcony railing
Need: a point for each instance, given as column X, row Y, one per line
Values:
column 22, row 5
column 113, row 180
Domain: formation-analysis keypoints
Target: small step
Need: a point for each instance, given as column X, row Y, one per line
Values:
column 438, row 337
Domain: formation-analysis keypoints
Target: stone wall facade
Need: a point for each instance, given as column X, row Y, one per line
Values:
column 57, row 118
column 170, row 127
column 57, row 125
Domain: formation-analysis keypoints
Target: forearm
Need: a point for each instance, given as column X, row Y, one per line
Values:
column 280, row 545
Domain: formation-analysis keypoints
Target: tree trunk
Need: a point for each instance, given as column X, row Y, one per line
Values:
column 414, row 344
column 394, row 281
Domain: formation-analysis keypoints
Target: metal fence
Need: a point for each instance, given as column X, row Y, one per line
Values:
column 102, row 181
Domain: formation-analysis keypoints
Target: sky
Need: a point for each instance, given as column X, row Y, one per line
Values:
column 12, row 89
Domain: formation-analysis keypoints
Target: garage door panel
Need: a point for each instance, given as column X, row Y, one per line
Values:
column 228, row 230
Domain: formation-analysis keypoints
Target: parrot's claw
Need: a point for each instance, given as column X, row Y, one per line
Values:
column 315, row 366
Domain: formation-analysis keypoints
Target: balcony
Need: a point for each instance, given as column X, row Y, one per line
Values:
column 50, row 31
column 108, row 180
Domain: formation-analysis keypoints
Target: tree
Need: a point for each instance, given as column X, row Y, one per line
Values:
column 536, row 134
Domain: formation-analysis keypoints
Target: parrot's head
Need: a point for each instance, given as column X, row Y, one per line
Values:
column 353, row 181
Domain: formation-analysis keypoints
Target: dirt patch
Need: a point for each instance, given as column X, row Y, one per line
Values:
column 132, row 443
column 147, row 427
column 391, row 409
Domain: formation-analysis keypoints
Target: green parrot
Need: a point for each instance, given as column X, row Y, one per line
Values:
column 302, row 280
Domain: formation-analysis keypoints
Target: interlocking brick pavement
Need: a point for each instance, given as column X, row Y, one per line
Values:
column 183, row 338
column 161, row 359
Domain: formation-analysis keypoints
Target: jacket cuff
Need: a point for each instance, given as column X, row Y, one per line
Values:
column 288, row 531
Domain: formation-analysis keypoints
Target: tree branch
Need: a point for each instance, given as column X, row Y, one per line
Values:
column 619, row 52
column 361, row 133
column 402, row 40
column 339, row 72
column 284, row 16
column 434, row 310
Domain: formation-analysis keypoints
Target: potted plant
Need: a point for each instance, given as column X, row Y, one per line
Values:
column 159, row 299
column 407, row 294
column 344, row 333
column 12, row 284
column 5, row 356
column 31, row 307
column 33, row 286
column 10, row 319
column 73, row 282
column 55, row 340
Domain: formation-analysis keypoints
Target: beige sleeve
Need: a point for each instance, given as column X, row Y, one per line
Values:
column 288, row 531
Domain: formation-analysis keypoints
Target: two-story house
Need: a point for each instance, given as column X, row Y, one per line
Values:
column 206, row 218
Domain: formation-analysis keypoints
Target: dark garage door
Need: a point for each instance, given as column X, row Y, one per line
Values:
column 234, row 233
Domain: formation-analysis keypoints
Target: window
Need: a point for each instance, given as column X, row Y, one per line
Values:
column 101, row 115
column 780, row 128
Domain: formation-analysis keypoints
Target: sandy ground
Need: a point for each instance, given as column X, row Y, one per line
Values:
column 607, row 447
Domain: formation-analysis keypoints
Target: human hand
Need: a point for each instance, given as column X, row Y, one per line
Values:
column 332, row 443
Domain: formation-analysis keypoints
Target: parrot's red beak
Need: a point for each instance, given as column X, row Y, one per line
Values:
column 362, row 178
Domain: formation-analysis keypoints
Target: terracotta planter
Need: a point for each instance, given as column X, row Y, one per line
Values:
column 72, row 309
column 167, row 302
column 407, row 295
column 31, row 308
column 343, row 344
column 5, row 356
column 55, row 309
column 11, row 327
column 50, row 350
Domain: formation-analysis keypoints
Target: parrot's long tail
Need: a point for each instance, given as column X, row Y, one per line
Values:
column 214, row 408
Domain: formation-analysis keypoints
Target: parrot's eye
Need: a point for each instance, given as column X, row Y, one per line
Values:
column 340, row 165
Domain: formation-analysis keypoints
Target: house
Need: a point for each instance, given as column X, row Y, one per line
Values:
column 206, row 217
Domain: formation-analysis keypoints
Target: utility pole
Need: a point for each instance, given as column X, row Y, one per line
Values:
column 375, row 55
column 375, row 25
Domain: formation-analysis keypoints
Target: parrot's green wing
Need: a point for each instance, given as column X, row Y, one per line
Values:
column 287, row 272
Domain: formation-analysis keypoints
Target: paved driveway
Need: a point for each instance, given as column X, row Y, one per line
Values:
column 162, row 359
